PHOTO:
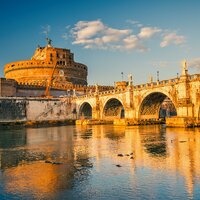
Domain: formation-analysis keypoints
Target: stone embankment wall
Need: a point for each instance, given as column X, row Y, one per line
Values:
column 12, row 109
column 35, row 109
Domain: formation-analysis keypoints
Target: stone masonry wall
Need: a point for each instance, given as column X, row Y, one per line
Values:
column 12, row 109
column 7, row 87
column 46, row 109
column 34, row 109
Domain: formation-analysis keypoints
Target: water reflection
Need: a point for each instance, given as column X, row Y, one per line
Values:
column 12, row 138
column 164, row 159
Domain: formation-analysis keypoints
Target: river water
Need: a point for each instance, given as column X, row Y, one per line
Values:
column 84, row 163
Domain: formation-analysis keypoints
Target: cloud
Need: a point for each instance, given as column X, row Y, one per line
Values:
column 163, row 63
column 46, row 29
column 139, row 25
column 148, row 32
column 130, row 21
column 172, row 38
column 68, row 26
column 87, row 29
column 133, row 42
column 194, row 63
column 65, row 36
column 96, row 35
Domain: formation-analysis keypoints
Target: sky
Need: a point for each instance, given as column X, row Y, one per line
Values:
column 114, row 38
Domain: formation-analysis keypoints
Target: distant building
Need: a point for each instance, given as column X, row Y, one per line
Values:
column 30, row 77
column 38, row 70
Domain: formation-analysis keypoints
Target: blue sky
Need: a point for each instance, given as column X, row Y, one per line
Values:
column 110, row 36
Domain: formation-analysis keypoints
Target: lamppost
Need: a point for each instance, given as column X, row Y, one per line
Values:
column 157, row 75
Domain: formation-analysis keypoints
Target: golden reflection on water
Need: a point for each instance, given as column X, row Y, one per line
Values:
column 170, row 150
column 38, row 177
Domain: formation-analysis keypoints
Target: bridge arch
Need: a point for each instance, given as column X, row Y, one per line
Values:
column 113, row 109
column 157, row 104
column 85, row 111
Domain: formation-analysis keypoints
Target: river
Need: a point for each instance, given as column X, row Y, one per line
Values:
column 82, row 162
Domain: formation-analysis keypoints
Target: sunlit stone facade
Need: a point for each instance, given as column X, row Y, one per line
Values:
column 39, row 69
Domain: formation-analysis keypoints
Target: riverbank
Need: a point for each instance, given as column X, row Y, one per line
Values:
column 181, row 122
column 169, row 122
column 44, row 123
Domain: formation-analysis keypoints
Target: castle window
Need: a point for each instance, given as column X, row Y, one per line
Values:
column 51, row 56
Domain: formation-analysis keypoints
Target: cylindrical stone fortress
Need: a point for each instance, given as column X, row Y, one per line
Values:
column 39, row 69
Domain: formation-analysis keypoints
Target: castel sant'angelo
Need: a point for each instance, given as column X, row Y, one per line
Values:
column 49, row 67
column 40, row 67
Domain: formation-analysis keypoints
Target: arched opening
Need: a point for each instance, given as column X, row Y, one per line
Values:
column 155, row 106
column 113, row 109
column 167, row 109
column 85, row 111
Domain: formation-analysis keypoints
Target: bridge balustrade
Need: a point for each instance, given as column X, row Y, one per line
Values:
column 142, row 86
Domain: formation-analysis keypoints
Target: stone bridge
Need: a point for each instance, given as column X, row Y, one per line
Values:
column 144, row 102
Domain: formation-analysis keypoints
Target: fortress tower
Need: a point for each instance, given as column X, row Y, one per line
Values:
column 38, row 70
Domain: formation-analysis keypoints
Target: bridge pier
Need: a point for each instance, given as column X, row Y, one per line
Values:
column 187, row 103
column 96, row 113
column 130, row 113
column 185, row 110
column 185, row 115
column 185, row 122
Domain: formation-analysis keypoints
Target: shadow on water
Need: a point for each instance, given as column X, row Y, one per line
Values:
column 154, row 140
column 10, row 138
column 156, row 149
column 12, row 149
column 115, row 135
